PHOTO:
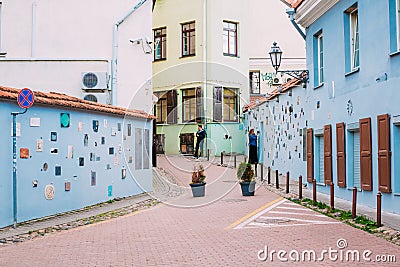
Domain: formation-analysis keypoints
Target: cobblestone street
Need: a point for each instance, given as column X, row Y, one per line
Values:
column 226, row 230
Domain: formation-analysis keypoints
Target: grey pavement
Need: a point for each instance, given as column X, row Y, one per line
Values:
column 230, row 232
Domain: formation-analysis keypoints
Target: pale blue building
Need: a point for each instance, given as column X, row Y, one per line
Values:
column 71, row 154
column 344, row 126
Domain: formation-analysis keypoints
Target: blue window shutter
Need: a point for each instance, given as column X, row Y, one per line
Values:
column 393, row 26
column 356, row 161
column 321, row 159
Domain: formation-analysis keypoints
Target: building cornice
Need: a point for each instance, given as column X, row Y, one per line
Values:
column 311, row 10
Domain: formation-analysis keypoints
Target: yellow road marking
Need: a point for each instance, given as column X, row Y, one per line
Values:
column 252, row 213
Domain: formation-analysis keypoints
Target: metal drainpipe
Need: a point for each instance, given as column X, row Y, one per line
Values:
column 205, row 69
column 290, row 12
column 114, row 61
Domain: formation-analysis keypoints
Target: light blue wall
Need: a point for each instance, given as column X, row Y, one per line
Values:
column 368, row 96
column 216, row 133
column 31, row 200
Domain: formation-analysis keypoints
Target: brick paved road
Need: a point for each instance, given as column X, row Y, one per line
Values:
column 206, row 236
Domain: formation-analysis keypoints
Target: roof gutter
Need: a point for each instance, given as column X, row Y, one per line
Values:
column 290, row 12
column 114, row 60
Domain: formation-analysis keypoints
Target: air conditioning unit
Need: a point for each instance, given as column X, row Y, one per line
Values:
column 96, row 97
column 94, row 80
column 277, row 80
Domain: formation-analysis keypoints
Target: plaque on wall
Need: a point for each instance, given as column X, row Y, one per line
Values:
column 49, row 192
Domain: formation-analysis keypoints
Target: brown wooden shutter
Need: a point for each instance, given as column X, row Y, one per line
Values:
column 341, row 154
column 172, row 111
column 366, row 154
column 384, row 153
column 310, row 155
column 199, row 105
column 327, row 154
column 217, row 114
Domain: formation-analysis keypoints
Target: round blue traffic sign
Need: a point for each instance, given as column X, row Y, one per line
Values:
column 26, row 98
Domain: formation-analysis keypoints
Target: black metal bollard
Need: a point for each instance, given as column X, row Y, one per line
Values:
column 300, row 187
column 208, row 154
column 222, row 158
column 277, row 179
column 234, row 161
column 262, row 171
column 255, row 169
column 269, row 175
column 287, row 182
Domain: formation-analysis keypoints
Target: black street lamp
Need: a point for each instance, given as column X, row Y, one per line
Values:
column 276, row 57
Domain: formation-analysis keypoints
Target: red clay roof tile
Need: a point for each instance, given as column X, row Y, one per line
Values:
column 62, row 100
column 260, row 99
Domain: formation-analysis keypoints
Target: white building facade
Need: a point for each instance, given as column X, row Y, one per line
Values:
column 51, row 45
column 269, row 23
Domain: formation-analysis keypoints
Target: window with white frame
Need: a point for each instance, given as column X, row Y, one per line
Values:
column 230, row 38
column 189, row 105
column 226, row 104
column 318, row 59
column 398, row 22
column 394, row 25
column 230, row 104
column 254, row 78
column 321, row 58
column 355, row 43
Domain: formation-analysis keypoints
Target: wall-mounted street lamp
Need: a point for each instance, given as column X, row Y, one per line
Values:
column 276, row 57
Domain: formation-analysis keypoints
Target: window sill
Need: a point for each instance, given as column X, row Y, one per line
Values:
column 394, row 53
column 185, row 56
column 161, row 59
column 318, row 86
column 321, row 184
column 231, row 55
column 3, row 54
column 352, row 72
column 396, row 194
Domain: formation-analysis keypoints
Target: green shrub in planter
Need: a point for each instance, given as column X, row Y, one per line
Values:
column 245, row 172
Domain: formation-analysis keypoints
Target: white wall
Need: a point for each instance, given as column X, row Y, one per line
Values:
column 269, row 23
column 45, row 29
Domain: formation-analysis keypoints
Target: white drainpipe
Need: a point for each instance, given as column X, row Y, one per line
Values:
column 114, row 60
column 205, row 69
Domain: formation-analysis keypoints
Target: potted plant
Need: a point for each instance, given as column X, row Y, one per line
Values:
column 245, row 174
column 198, row 183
